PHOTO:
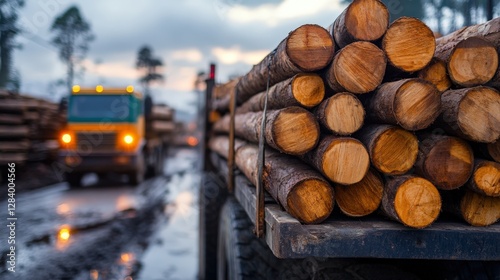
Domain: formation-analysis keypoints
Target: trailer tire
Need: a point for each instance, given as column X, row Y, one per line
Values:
column 241, row 255
column 213, row 193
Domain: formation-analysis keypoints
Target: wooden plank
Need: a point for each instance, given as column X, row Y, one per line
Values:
column 10, row 119
column 14, row 146
column 16, row 158
column 14, row 131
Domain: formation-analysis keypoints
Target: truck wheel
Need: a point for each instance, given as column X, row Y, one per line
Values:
column 213, row 193
column 74, row 179
column 241, row 255
column 137, row 176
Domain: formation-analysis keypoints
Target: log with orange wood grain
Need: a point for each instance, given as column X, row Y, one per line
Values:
column 362, row 20
column 392, row 150
column 292, row 130
column 475, row 208
column 409, row 44
column 485, row 178
column 304, row 90
column 445, row 161
column 341, row 114
column 472, row 113
column 413, row 104
column 435, row 72
column 343, row 160
column 411, row 200
column 306, row 49
column 357, row 68
column 302, row 191
column 362, row 198
column 470, row 62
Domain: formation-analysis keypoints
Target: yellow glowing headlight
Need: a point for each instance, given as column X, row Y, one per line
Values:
column 128, row 139
column 66, row 138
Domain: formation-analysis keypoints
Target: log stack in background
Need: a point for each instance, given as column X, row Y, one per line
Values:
column 400, row 120
column 161, row 122
column 28, row 128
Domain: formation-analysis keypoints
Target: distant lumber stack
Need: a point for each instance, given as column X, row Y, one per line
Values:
column 160, row 123
column 389, row 116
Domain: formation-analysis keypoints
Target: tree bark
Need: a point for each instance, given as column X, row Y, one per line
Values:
column 472, row 113
column 495, row 81
column 221, row 95
column 362, row 198
column 414, row 104
column 306, row 49
column 470, row 62
column 291, row 130
column 411, row 200
column 302, row 192
column 486, row 178
column 362, row 20
column 445, row 161
column 304, row 90
column 341, row 114
column 409, row 44
column 393, row 150
column 494, row 150
column 435, row 72
column 357, row 68
column 343, row 160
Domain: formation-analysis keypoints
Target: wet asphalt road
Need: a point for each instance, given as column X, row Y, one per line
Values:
column 108, row 229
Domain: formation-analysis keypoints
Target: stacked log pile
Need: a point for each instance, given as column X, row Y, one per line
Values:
column 160, row 123
column 28, row 128
column 374, row 116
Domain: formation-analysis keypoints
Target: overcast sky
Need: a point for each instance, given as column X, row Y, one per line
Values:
column 186, row 35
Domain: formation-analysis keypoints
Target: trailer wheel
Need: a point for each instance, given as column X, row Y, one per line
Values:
column 240, row 254
column 74, row 179
column 213, row 193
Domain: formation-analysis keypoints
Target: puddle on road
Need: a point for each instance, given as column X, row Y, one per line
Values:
column 173, row 251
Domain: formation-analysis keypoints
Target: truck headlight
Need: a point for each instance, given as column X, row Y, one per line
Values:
column 66, row 138
column 128, row 139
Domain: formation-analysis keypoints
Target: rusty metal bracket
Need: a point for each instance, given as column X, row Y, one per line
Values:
column 230, row 160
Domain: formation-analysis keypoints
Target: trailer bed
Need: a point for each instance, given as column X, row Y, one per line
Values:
column 368, row 237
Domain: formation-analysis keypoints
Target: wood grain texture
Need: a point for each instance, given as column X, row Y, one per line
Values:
column 302, row 191
column 409, row 44
column 362, row 198
column 343, row 160
column 305, row 90
column 445, row 161
column 435, row 72
column 494, row 150
column 472, row 113
column 306, row 49
column 485, row 178
column 479, row 210
column 413, row 104
column 357, row 68
column 341, row 114
column 393, row 150
column 221, row 95
column 362, row 20
column 411, row 200
column 292, row 130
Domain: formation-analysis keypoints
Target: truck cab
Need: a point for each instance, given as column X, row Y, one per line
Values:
column 105, row 132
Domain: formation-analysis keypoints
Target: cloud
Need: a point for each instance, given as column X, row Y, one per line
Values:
column 190, row 55
column 272, row 14
column 111, row 69
column 235, row 54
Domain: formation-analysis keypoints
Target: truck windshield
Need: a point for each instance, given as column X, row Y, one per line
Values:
column 102, row 107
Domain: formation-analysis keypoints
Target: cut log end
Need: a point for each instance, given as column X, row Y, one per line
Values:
column 308, row 89
column 344, row 114
column 486, row 178
column 473, row 62
column 417, row 104
column 345, row 161
column 479, row 115
column 310, row 47
column 362, row 198
column 494, row 150
column 311, row 201
column 358, row 68
column 417, row 203
column 409, row 44
column 480, row 210
column 449, row 163
column 295, row 131
column 367, row 20
column 436, row 74
column 394, row 151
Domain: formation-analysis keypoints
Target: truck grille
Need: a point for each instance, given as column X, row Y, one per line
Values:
column 91, row 142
